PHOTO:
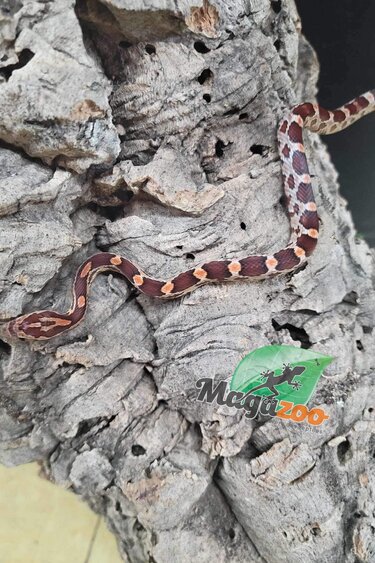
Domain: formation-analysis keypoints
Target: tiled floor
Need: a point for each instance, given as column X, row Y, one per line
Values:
column 42, row 523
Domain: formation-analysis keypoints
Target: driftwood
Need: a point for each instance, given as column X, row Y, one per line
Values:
column 176, row 103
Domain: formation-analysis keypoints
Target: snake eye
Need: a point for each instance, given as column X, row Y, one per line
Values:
column 19, row 327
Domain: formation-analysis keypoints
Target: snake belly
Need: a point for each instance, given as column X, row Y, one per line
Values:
column 304, row 224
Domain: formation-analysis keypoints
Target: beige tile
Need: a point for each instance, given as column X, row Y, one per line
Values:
column 104, row 549
column 42, row 523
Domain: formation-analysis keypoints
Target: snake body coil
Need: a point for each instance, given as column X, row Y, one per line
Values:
column 304, row 222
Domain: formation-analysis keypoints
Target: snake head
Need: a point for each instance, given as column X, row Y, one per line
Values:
column 38, row 326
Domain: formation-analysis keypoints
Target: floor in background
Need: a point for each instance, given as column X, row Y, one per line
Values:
column 42, row 523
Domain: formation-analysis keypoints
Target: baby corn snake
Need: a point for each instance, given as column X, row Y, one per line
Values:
column 302, row 211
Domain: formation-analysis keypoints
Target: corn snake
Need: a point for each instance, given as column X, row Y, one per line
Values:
column 302, row 211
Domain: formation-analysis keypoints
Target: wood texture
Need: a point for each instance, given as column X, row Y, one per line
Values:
column 148, row 128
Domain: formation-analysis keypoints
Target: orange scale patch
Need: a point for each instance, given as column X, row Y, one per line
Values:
column 298, row 251
column 86, row 270
column 167, row 288
column 306, row 178
column 313, row 233
column 116, row 260
column 311, row 206
column 271, row 263
column 62, row 322
column 234, row 268
column 81, row 302
column 57, row 321
column 138, row 279
column 200, row 273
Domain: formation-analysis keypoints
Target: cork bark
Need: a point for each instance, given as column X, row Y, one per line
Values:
column 148, row 128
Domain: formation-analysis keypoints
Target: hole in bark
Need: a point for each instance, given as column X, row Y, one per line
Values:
column 231, row 533
column 243, row 226
column 124, row 194
column 138, row 450
column 342, row 451
column 315, row 530
column 72, row 366
column 219, row 148
column 243, row 116
column 150, row 49
column 24, row 57
column 351, row 298
column 231, row 111
column 101, row 31
column 138, row 526
column 5, row 347
column 201, row 47
column 85, row 426
column 370, row 410
column 163, row 403
column 154, row 538
column 207, row 98
column 190, row 256
column 276, row 6
column 98, row 170
column 259, row 149
column 179, row 246
column 112, row 212
column 277, row 44
column 367, row 329
column 205, row 75
column 297, row 333
column 359, row 345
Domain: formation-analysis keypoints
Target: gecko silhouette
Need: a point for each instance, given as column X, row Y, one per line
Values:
column 272, row 380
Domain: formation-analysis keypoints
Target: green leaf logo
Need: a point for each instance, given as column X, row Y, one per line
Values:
column 282, row 372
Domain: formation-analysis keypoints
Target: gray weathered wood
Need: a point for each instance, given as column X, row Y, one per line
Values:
column 172, row 102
